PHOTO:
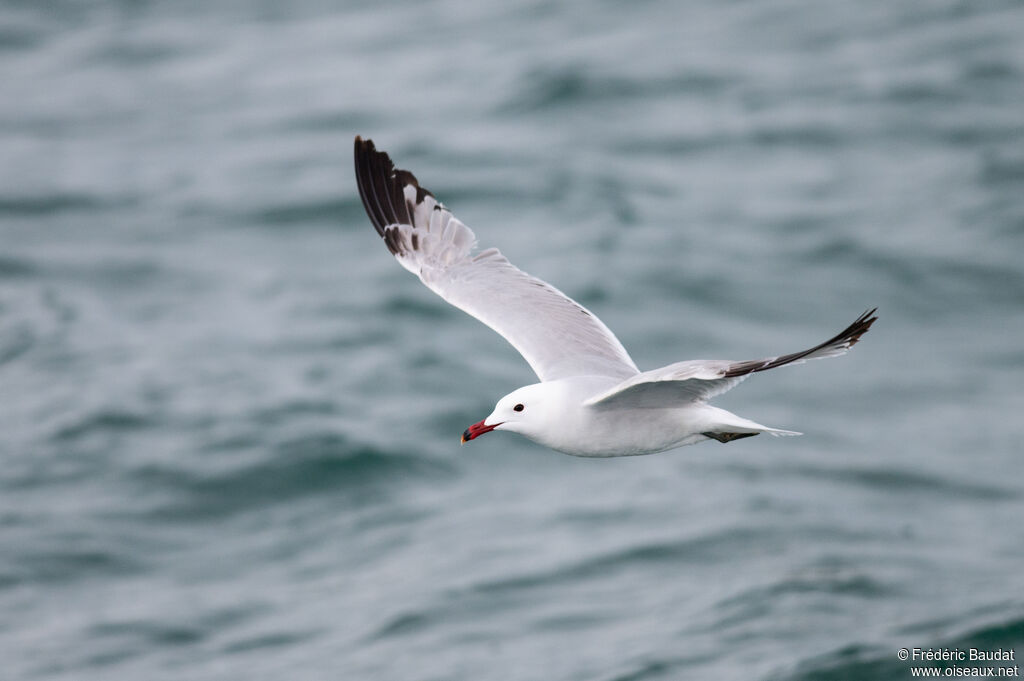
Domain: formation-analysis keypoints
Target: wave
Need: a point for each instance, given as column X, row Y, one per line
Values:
column 125, row 637
column 904, row 481
column 65, row 557
column 569, row 86
column 858, row 661
column 16, row 268
column 707, row 548
column 704, row 549
column 16, row 342
column 57, row 203
column 102, row 421
column 837, row 581
column 310, row 465
column 888, row 479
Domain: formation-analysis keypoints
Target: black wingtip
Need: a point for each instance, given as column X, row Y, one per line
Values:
column 382, row 189
column 364, row 147
column 852, row 333
column 848, row 337
column 372, row 172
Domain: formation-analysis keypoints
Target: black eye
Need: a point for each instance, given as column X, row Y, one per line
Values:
column 518, row 407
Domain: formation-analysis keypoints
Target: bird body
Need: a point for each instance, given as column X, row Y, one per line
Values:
column 560, row 418
column 592, row 400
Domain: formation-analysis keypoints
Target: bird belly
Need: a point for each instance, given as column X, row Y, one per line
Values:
column 632, row 432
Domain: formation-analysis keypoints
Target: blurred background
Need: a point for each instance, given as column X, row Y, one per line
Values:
column 229, row 422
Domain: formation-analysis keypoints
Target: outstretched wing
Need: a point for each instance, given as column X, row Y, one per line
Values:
column 700, row 380
column 557, row 336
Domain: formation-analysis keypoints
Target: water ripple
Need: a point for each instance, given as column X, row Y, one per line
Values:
column 871, row 662
column 314, row 464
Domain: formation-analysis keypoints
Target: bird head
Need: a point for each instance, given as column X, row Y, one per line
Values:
column 521, row 411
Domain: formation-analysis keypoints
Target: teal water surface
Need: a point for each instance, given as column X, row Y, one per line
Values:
column 229, row 421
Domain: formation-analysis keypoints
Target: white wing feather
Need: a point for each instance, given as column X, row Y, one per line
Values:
column 557, row 336
column 670, row 386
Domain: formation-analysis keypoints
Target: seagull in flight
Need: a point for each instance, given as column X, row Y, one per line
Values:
column 591, row 400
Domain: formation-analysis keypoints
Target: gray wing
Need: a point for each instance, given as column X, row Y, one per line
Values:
column 557, row 336
column 700, row 380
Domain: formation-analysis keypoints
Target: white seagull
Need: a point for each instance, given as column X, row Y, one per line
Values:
column 591, row 400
